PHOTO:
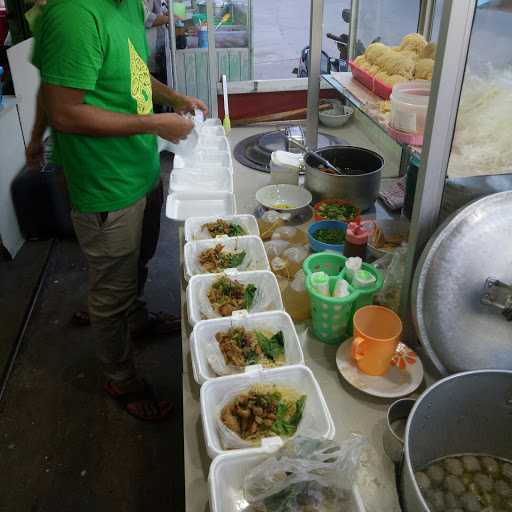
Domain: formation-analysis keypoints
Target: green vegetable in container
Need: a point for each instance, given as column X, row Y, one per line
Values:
column 330, row 236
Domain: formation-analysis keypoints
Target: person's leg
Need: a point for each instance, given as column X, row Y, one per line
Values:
column 111, row 243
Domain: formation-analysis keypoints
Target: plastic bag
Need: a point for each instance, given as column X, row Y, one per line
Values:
column 269, row 222
column 306, row 474
column 389, row 295
column 275, row 248
column 290, row 234
column 295, row 256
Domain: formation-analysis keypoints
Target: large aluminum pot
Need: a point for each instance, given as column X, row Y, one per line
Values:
column 465, row 413
column 360, row 187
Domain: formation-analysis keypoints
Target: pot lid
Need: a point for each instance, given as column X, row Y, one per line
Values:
column 255, row 151
column 459, row 289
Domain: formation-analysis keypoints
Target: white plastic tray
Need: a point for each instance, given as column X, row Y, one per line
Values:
column 255, row 258
column 264, row 280
column 208, row 178
column 226, row 482
column 194, row 225
column 204, row 334
column 316, row 419
column 182, row 205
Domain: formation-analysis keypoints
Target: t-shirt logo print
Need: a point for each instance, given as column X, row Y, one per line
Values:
column 141, row 82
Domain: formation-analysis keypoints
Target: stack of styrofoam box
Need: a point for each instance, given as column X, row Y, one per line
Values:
column 201, row 182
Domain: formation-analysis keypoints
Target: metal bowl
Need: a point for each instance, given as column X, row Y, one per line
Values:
column 360, row 185
column 336, row 116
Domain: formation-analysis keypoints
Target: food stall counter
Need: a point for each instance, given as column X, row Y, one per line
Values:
column 353, row 411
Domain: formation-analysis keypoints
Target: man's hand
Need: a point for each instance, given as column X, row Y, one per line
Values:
column 173, row 127
column 189, row 104
column 35, row 154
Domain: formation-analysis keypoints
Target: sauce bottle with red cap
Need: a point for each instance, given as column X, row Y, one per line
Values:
column 356, row 240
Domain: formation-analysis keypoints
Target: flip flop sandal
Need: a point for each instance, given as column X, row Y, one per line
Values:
column 129, row 400
column 80, row 319
column 158, row 324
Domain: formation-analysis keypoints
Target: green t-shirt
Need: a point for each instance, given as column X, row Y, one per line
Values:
column 100, row 46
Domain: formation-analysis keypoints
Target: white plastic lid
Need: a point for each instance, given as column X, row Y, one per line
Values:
column 285, row 160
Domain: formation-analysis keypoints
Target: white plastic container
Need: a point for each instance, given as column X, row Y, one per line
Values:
column 182, row 205
column 211, row 157
column 208, row 142
column 268, row 295
column 226, row 482
column 194, row 226
column 316, row 418
column 285, row 167
column 212, row 131
column 255, row 257
column 409, row 104
column 204, row 333
column 207, row 178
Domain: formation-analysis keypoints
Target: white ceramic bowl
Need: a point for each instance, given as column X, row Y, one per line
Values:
column 284, row 198
column 336, row 116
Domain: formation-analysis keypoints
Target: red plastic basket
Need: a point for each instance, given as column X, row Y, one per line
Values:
column 370, row 82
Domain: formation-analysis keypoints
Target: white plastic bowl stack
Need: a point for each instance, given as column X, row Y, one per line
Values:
column 202, row 180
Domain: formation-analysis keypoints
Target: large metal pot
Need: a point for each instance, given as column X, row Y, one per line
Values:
column 466, row 413
column 360, row 187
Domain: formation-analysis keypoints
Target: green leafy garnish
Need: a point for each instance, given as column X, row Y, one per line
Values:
column 299, row 410
column 272, row 347
column 330, row 236
column 288, row 428
column 236, row 230
column 251, row 357
column 249, row 294
column 235, row 259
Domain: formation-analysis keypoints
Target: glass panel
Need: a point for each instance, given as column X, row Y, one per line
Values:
column 482, row 143
column 388, row 20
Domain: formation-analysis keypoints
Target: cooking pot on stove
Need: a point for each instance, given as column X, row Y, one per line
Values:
column 467, row 413
column 360, row 186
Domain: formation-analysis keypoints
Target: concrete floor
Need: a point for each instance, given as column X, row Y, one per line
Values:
column 64, row 445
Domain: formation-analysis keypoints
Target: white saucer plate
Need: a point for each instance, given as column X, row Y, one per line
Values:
column 404, row 376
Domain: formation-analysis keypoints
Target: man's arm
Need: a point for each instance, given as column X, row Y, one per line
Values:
column 69, row 114
column 161, row 19
column 35, row 148
column 163, row 95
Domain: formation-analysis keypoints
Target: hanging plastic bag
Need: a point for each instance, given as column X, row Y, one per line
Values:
column 306, row 474
column 391, row 290
column 269, row 222
column 295, row 256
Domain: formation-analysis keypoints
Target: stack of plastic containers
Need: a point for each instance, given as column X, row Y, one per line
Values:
column 201, row 182
column 219, row 386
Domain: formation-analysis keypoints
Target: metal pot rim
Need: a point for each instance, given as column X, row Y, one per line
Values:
column 407, row 459
column 337, row 176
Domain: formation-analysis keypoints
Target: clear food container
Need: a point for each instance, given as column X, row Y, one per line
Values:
column 255, row 256
column 267, row 297
column 409, row 104
column 316, row 419
column 203, row 340
column 194, row 229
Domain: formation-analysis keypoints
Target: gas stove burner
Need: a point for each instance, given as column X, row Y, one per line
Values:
column 255, row 151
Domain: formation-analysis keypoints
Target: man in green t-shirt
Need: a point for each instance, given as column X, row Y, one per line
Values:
column 97, row 95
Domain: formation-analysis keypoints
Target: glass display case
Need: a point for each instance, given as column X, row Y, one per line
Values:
column 232, row 22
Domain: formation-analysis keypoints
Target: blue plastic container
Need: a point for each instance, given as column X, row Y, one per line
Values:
column 1, row 86
column 316, row 245
column 202, row 38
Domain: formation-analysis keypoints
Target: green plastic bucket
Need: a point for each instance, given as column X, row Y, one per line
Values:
column 332, row 316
